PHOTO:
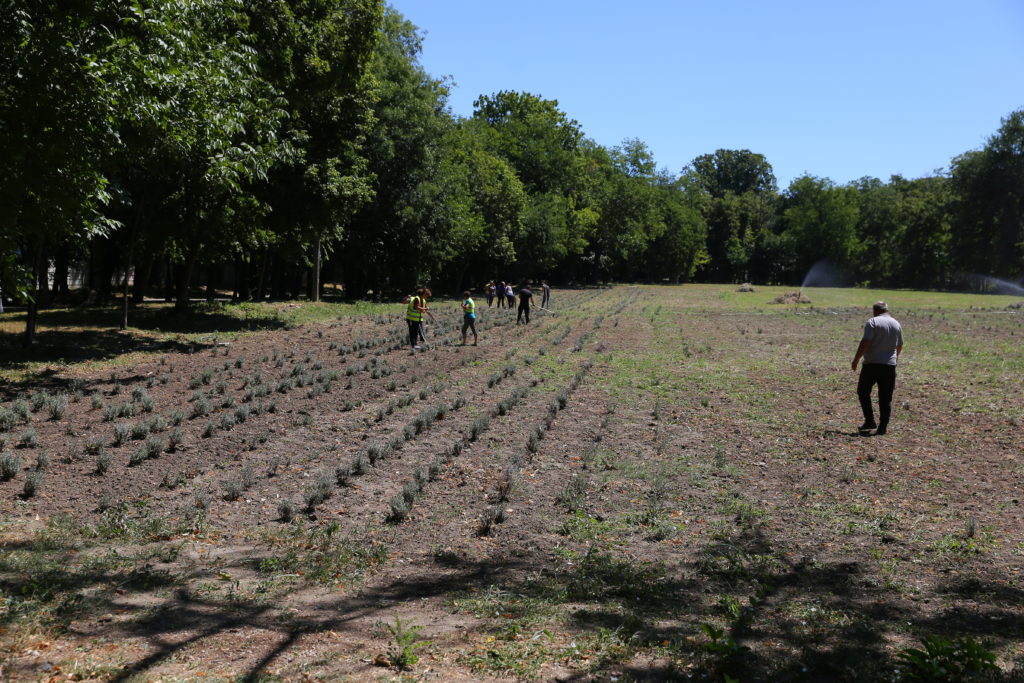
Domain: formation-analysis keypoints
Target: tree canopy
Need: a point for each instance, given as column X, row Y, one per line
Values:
column 211, row 147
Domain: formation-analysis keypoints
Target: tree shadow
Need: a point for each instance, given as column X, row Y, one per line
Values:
column 604, row 593
column 210, row 618
column 71, row 335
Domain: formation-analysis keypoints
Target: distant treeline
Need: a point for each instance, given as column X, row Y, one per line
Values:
column 267, row 146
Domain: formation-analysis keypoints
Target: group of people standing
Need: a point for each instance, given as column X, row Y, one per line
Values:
column 504, row 295
column 501, row 292
column 417, row 308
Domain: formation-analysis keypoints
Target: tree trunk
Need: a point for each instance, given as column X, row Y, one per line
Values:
column 143, row 276
column 126, row 300
column 42, row 283
column 168, row 280
column 263, row 274
column 32, row 314
column 184, row 280
column 277, row 285
column 60, row 271
column 213, row 278
column 314, row 286
column 245, row 279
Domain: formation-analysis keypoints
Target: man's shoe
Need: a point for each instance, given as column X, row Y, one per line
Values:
column 870, row 424
column 882, row 429
column 415, row 348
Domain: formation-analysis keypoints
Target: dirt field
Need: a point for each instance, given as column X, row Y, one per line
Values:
column 653, row 483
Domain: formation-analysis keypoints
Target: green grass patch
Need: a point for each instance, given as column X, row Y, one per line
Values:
column 318, row 554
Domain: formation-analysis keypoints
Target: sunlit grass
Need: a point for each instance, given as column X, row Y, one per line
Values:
column 726, row 297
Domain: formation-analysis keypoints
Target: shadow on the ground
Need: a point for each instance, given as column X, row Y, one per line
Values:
column 91, row 334
column 657, row 609
column 777, row 636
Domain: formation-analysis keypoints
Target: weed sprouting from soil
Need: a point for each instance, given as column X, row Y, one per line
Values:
column 320, row 553
column 405, row 640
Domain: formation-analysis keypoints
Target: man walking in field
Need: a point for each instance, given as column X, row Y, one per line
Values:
column 546, row 295
column 525, row 297
column 880, row 347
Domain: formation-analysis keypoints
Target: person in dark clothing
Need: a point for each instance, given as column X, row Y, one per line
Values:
column 525, row 297
column 880, row 347
column 499, row 292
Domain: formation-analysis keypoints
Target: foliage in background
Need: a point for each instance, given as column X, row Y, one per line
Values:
column 288, row 142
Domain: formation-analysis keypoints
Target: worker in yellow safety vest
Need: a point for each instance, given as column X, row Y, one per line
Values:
column 414, row 315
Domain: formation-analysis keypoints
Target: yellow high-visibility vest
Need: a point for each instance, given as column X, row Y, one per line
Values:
column 413, row 313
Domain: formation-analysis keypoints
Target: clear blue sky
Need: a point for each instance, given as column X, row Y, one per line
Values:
column 838, row 89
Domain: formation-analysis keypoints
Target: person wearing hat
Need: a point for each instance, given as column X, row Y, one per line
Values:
column 880, row 347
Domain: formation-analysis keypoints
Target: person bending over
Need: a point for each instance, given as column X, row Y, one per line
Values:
column 525, row 297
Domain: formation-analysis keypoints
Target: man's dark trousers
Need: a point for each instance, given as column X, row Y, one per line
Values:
column 885, row 377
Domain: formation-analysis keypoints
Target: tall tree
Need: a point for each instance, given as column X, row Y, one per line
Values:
column 558, row 169
column 739, row 210
column 820, row 224
column 904, row 230
column 533, row 135
column 318, row 54
column 58, row 116
column 989, row 184
column 733, row 170
column 211, row 129
column 680, row 247
column 393, row 240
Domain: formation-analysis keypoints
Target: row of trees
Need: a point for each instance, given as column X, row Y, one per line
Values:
column 285, row 138
column 953, row 229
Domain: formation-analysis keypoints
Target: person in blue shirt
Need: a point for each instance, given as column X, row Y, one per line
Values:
column 468, row 317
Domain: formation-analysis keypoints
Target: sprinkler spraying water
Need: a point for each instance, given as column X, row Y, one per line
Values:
column 994, row 285
column 824, row 274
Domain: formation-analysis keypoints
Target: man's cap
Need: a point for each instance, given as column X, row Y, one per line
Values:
column 880, row 306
